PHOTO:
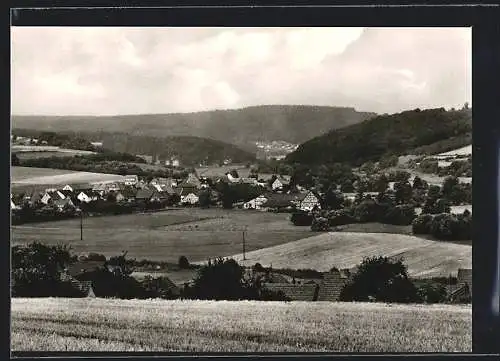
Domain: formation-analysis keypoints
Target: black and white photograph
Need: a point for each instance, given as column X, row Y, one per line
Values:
column 241, row 189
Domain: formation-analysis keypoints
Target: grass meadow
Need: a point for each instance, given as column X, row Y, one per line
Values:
column 54, row 324
column 165, row 236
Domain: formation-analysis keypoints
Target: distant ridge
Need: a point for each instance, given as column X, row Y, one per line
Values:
column 243, row 127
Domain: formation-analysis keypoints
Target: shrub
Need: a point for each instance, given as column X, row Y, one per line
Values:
column 340, row 217
column 400, row 215
column 320, row 224
column 183, row 262
column 301, row 219
column 432, row 293
column 422, row 224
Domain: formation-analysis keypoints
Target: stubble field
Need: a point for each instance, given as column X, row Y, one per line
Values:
column 54, row 324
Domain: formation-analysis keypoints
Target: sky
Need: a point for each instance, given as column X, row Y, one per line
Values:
column 113, row 70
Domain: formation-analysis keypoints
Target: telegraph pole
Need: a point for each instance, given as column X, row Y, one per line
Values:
column 81, row 225
column 244, row 257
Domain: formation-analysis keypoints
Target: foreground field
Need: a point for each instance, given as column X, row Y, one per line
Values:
column 48, row 176
column 424, row 258
column 165, row 236
column 203, row 326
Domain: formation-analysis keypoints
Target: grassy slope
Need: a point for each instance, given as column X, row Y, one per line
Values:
column 165, row 236
column 119, row 325
column 424, row 258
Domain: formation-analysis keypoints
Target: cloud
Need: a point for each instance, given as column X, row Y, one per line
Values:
column 160, row 70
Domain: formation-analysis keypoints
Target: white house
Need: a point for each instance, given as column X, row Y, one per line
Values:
column 190, row 198
column 13, row 205
column 307, row 201
column 231, row 178
column 279, row 183
column 255, row 203
column 131, row 180
column 67, row 187
column 86, row 197
column 176, row 163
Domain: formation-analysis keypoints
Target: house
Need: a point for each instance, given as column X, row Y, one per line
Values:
column 119, row 197
column 147, row 158
column 96, row 144
column 144, row 195
column 232, row 179
column 52, row 196
column 176, row 163
column 66, row 193
column 295, row 292
column 279, row 202
column 131, row 180
column 462, row 292
column 307, row 201
column 129, row 193
column 88, row 196
column 68, row 187
column 332, row 284
column 186, row 188
column 61, row 203
column 251, row 181
column 193, row 180
column 190, row 199
column 13, row 206
column 280, row 183
column 255, row 203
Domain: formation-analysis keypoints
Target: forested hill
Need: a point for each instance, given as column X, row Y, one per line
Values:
column 291, row 123
column 189, row 150
column 409, row 132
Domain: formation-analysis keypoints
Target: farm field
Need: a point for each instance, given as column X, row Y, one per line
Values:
column 165, row 236
column 424, row 258
column 59, row 324
column 47, row 176
column 463, row 151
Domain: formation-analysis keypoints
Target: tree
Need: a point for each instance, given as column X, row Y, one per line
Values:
column 381, row 183
column 320, row 224
column 183, row 262
column 14, row 160
column 419, row 183
column 36, row 269
column 422, row 224
column 403, row 192
column 347, row 186
column 333, row 199
column 204, row 198
column 382, row 279
column 220, row 279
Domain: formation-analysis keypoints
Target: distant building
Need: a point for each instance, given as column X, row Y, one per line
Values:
column 280, row 182
column 147, row 158
column 96, row 144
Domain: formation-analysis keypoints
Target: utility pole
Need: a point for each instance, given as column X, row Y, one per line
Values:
column 244, row 257
column 81, row 226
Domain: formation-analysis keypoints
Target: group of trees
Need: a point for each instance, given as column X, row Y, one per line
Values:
column 457, row 168
column 445, row 226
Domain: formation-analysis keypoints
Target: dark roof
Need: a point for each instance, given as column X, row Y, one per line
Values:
column 304, row 292
column 332, row 285
column 464, row 276
column 275, row 200
column 144, row 194
column 81, row 267
column 67, row 193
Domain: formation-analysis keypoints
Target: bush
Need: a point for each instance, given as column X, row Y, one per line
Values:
column 400, row 215
column 340, row 217
column 433, row 293
column 301, row 219
column 320, row 224
column 183, row 262
column 422, row 224
column 382, row 279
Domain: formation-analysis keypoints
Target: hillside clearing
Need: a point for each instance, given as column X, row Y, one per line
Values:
column 55, row 324
column 463, row 151
column 48, row 176
column 424, row 258
column 165, row 236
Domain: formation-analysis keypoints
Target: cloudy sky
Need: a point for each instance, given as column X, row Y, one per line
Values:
column 107, row 71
